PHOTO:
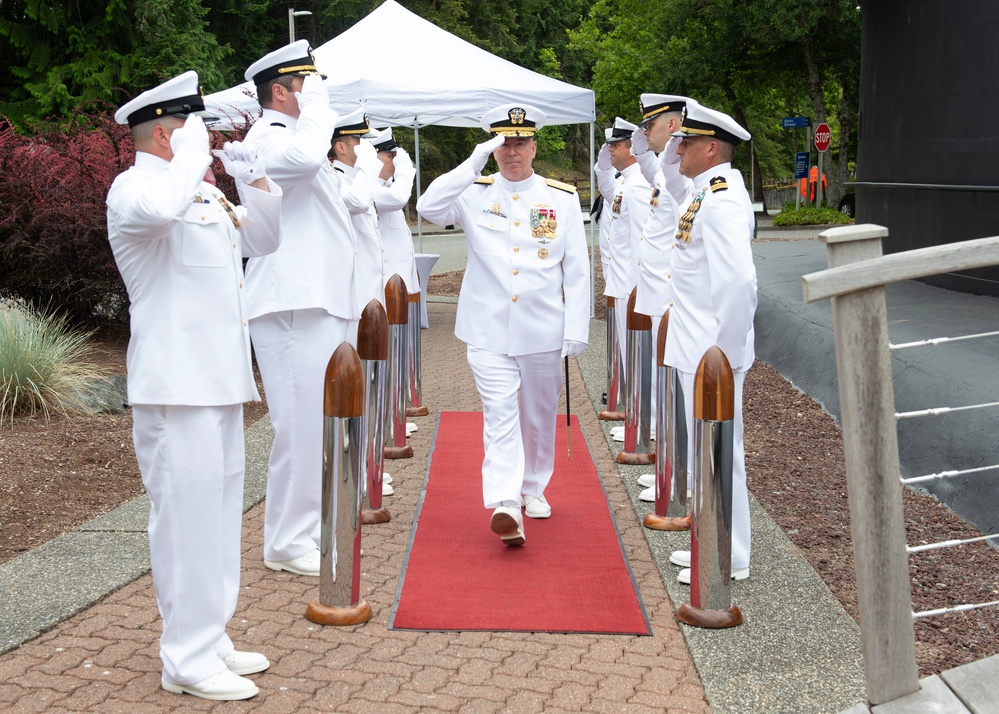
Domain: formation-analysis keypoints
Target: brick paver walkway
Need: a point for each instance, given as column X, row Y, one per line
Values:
column 105, row 659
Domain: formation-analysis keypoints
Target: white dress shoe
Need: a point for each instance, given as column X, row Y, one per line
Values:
column 507, row 523
column 245, row 662
column 411, row 427
column 307, row 564
column 617, row 430
column 681, row 558
column 618, row 436
column 536, row 507
column 225, row 686
column 387, row 489
column 386, row 478
column 647, row 480
column 648, row 494
column 683, row 577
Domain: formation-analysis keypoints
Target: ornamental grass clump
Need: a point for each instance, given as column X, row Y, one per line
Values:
column 43, row 367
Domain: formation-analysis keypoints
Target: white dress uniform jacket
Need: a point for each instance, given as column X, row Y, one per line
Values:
column 713, row 276
column 605, row 184
column 314, row 267
column 629, row 211
column 369, row 278
column 511, row 299
column 180, row 255
column 391, row 197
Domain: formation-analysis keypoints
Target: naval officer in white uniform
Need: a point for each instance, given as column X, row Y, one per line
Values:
column 394, row 189
column 355, row 159
column 301, row 298
column 524, row 304
column 714, row 288
column 179, row 245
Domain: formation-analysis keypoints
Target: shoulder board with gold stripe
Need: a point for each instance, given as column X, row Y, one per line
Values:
column 567, row 187
column 485, row 180
column 718, row 183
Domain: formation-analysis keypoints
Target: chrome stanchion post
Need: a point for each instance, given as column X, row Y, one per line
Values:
column 339, row 601
column 671, row 436
column 399, row 317
column 414, row 370
column 373, row 349
column 638, row 397
column 711, row 536
column 614, row 383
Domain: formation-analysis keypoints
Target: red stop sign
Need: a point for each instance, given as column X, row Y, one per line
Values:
column 822, row 136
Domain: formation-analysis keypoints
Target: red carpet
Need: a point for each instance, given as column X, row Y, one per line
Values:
column 570, row 576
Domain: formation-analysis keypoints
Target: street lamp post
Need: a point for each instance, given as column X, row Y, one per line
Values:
column 292, row 14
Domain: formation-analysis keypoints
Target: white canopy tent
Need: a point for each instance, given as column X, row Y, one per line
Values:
column 406, row 71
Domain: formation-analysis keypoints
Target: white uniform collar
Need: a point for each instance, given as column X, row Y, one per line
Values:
column 151, row 162
column 348, row 171
column 629, row 170
column 516, row 186
column 273, row 116
column 702, row 179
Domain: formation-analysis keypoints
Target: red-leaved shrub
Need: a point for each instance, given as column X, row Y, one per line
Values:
column 54, row 248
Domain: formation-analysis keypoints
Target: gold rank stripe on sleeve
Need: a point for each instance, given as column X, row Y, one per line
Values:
column 486, row 180
column 718, row 183
column 687, row 221
column 567, row 187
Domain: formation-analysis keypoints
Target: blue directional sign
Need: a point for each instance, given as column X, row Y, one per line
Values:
column 795, row 122
column 801, row 165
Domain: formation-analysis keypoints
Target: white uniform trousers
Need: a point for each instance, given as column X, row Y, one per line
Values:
column 293, row 348
column 519, row 407
column 192, row 463
column 741, row 532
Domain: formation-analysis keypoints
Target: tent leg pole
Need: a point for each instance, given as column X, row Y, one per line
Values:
column 593, row 272
column 416, row 148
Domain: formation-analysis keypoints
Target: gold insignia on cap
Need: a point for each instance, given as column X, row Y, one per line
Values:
column 517, row 115
column 158, row 111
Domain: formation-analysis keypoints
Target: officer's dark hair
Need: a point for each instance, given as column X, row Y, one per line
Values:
column 265, row 95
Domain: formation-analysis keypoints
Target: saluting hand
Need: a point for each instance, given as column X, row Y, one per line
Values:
column 193, row 136
column 669, row 155
column 401, row 160
column 314, row 92
column 639, row 142
column 240, row 161
column 482, row 152
column 604, row 158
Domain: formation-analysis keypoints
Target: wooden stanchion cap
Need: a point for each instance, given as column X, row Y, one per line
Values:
column 661, row 339
column 372, row 332
column 636, row 320
column 396, row 301
column 610, row 301
column 343, row 393
column 714, row 388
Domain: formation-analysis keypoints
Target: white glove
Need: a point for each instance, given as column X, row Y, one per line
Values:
column 482, row 152
column 604, row 158
column 367, row 158
column 572, row 348
column 240, row 161
column 401, row 159
column 193, row 136
column 669, row 155
column 314, row 92
column 639, row 142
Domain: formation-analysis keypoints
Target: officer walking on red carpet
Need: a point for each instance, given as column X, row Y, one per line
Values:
column 714, row 288
column 301, row 298
column 179, row 245
column 524, row 304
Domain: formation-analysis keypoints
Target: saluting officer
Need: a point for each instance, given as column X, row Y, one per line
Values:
column 524, row 303
column 655, row 152
column 301, row 298
column 354, row 158
column 394, row 189
column 629, row 211
column 179, row 245
column 714, row 288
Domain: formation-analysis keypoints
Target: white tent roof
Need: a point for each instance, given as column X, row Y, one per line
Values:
column 408, row 72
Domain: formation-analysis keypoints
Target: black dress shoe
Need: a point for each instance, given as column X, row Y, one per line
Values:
column 603, row 398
